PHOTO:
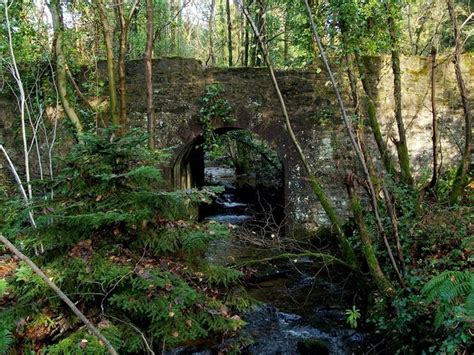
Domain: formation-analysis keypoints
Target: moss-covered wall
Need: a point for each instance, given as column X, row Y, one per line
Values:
column 180, row 83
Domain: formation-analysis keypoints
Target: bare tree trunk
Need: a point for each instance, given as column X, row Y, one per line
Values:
column 435, row 139
column 173, row 7
column 394, row 220
column 124, row 29
column 241, row 40
column 461, row 174
column 108, row 33
column 150, row 111
column 247, row 37
column 61, row 67
column 121, row 62
column 260, row 22
column 374, row 176
column 78, row 91
column 318, row 190
column 22, row 103
column 253, row 51
column 229, row 31
column 401, row 143
column 212, row 55
column 60, row 293
column 286, row 37
column 19, row 184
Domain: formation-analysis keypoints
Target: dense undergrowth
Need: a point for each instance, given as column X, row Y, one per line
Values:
column 132, row 256
column 434, row 313
column 126, row 250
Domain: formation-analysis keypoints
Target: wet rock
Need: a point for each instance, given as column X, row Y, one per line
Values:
column 312, row 347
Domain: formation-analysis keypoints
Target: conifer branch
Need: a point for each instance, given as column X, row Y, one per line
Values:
column 60, row 293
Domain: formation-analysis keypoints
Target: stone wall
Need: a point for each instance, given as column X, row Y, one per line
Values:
column 180, row 83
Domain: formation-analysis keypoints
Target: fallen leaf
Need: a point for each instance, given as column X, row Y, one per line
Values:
column 83, row 343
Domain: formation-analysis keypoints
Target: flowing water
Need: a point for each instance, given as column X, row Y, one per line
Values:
column 302, row 307
column 230, row 206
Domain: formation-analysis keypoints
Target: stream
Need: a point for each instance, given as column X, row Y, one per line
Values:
column 302, row 306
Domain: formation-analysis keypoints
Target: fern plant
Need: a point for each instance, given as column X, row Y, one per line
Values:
column 126, row 250
column 453, row 291
column 6, row 339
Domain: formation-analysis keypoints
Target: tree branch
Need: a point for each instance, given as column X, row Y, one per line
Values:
column 60, row 293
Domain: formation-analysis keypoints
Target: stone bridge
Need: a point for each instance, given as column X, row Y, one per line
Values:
column 180, row 83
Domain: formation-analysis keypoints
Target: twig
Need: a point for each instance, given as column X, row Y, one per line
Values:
column 149, row 348
column 325, row 257
column 466, row 20
column 158, row 31
column 19, row 183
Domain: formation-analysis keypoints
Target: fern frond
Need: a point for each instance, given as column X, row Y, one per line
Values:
column 6, row 340
column 450, row 289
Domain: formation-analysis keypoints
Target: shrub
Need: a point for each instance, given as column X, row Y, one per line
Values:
column 125, row 250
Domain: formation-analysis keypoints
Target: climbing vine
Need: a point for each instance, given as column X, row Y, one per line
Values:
column 214, row 112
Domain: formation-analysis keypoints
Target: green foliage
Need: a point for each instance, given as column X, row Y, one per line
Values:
column 215, row 110
column 6, row 338
column 452, row 296
column 3, row 286
column 433, row 313
column 352, row 316
column 221, row 276
column 124, row 249
column 453, row 292
column 80, row 342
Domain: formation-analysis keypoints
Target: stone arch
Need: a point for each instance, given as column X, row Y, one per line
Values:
column 189, row 165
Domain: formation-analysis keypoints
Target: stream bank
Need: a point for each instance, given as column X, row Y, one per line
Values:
column 302, row 303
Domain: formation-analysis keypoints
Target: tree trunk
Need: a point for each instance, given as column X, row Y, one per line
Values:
column 148, row 74
column 124, row 29
column 108, row 32
column 22, row 100
column 247, row 37
column 173, row 9
column 229, row 31
column 61, row 67
column 368, row 248
column 122, row 90
column 241, row 41
column 374, row 176
column 221, row 31
column 212, row 55
column 286, row 38
column 355, row 145
column 401, row 143
column 372, row 118
column 260, row 22
column 435, row 139
column 461, row 174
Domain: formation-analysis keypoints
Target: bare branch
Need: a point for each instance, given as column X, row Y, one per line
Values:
column 19, row 183
column 60, row 293
column 16, row 76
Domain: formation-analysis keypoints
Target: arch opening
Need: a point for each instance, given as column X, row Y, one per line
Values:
column 249, row 172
